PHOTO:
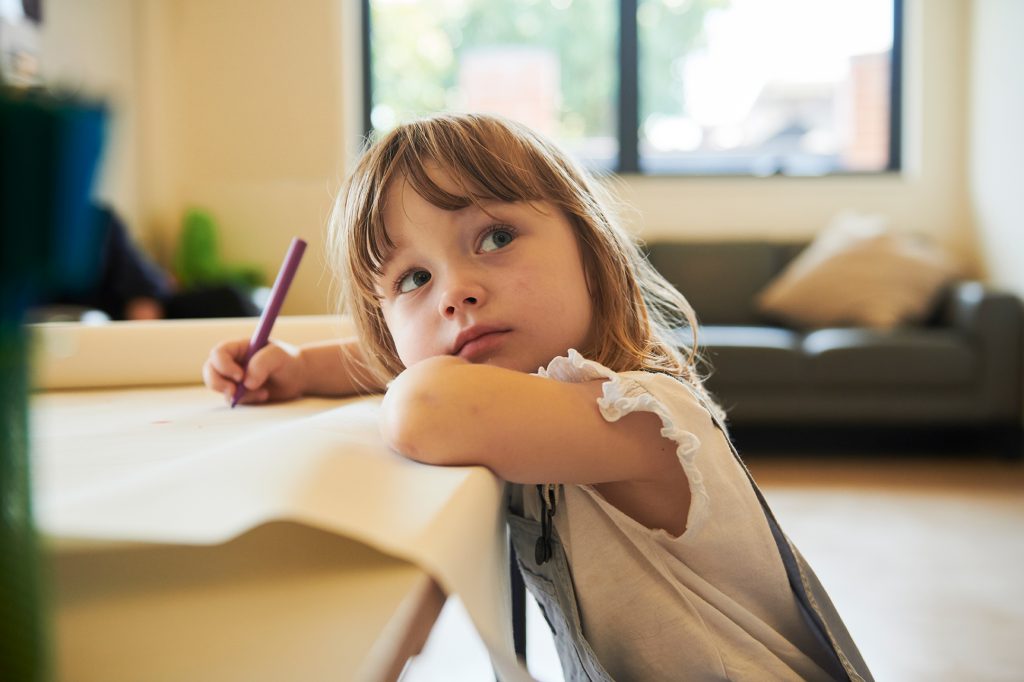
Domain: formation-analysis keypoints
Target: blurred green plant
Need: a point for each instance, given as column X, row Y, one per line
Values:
column 197, row 261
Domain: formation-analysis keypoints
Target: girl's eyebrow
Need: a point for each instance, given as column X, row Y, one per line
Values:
column 488, row 208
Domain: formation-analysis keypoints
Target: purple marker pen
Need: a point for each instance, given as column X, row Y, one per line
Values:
column 269, row 316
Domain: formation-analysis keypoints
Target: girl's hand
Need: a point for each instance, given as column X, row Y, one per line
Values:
column 275, row 372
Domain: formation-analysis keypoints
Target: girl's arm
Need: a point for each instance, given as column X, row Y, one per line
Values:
column 336, row 368
column 530, row 429
column 525, row 428
column 280, row 371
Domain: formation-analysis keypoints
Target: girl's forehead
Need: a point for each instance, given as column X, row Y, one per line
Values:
column 409, row 217
column 411, row 194
column 449, row 180
column 440, row 185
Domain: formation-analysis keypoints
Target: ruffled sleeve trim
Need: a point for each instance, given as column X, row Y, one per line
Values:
column 623, row 394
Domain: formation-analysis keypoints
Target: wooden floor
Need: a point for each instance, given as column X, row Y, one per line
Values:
column 923, row 556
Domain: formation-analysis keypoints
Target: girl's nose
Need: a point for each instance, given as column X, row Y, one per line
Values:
column 468, row 301
column 460, row 296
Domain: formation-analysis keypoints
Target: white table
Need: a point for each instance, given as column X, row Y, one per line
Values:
column 192, row 541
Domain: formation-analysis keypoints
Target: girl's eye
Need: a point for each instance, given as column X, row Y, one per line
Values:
column 497, row 238
column 412, row 280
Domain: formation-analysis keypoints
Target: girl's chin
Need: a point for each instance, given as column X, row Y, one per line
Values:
column 511, row 364
column 524, row 365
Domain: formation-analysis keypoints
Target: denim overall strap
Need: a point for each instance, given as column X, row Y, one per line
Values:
column 551, row 585
column 811, row 595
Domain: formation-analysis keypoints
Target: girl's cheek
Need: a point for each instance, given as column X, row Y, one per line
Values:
column 405, row 346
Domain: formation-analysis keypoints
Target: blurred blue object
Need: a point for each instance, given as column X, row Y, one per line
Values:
column 49, row 236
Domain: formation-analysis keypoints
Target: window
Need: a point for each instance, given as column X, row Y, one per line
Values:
column 752, row 87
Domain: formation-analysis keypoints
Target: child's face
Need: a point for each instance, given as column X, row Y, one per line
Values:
column 508, row 291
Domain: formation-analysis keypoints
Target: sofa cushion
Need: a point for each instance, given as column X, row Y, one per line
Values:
column 859, row 272
column 752, row 355
column 720, row 279
column 905, row 357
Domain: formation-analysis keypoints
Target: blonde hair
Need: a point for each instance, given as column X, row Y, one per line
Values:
column 635, row 308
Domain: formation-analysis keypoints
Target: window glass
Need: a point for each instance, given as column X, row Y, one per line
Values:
column 551, row 64
column 799, row 87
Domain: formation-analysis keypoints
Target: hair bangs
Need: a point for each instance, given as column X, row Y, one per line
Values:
column 486, row 160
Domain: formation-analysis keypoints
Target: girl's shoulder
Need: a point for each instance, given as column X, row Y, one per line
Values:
column 629, row 390
column 686, row 421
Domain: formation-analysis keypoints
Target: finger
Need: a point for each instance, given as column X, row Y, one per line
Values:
column 262, row 365
column 249, row 397
column 214, row 380
column 224, row 360
column 256, row 397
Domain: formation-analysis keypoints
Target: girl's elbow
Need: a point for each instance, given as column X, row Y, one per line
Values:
column 418, row 446
column 411, row 420
column 399, row 426
column 404, row 433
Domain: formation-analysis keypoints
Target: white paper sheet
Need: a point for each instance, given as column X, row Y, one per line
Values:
column 176, row 465
column 152, row 353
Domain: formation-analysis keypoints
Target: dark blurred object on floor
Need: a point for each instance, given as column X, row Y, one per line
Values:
column 129, row 286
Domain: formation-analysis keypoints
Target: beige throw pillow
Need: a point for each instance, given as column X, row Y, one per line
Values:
column 859, row 272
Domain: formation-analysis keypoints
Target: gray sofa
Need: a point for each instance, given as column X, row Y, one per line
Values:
column 960, row 367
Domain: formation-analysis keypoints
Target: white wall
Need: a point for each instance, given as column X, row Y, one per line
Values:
column 248, row 123
column 90, row 47
column 251, row 109
column 996, row 125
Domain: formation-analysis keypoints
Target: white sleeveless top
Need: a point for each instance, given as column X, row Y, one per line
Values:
column 713, row 603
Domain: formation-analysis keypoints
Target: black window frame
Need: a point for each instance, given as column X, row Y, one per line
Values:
column 628, row 97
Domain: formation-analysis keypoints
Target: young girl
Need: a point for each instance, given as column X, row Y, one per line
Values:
column 515, row 325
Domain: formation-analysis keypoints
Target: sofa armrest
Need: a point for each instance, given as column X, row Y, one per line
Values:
column 994, row 321
column 977, row 310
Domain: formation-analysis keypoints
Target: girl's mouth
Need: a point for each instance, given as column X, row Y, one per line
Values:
column 478, row 341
